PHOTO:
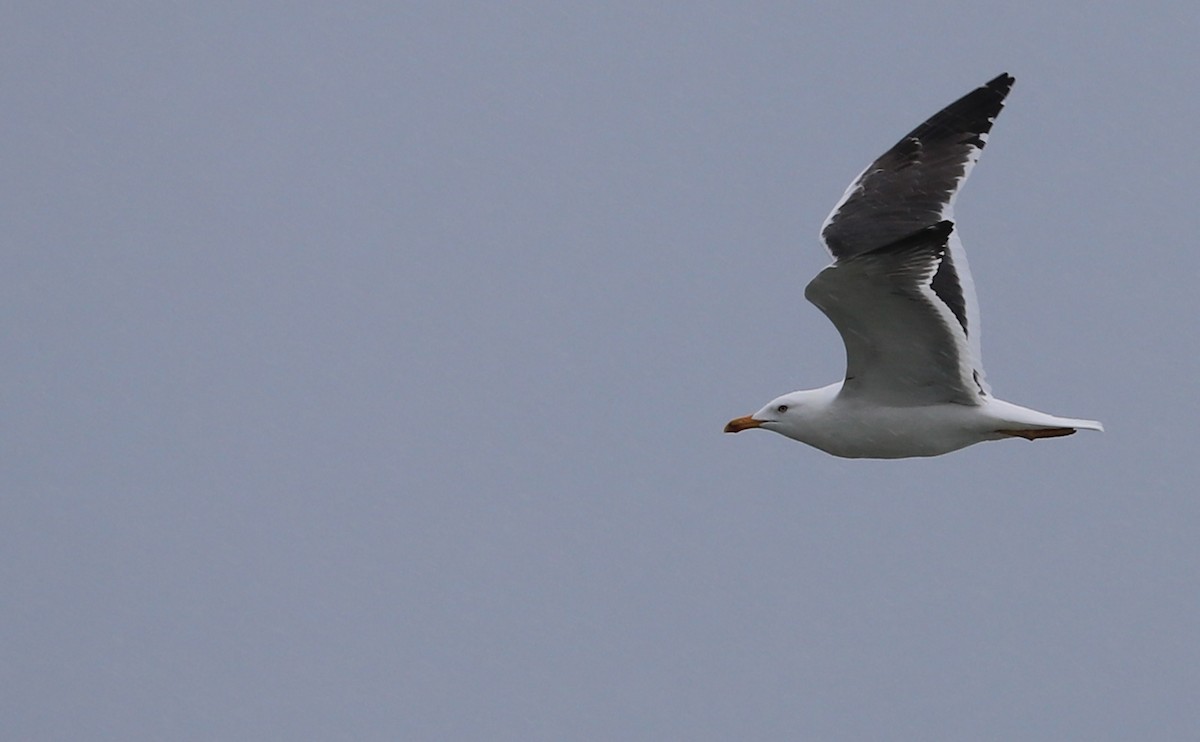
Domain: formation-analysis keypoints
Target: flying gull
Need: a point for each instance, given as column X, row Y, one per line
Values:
column 901, row 296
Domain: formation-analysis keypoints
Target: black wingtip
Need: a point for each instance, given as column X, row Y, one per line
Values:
column 1001, row 83
column 968, row 119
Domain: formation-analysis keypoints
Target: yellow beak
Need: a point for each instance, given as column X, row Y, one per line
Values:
column 742, row 423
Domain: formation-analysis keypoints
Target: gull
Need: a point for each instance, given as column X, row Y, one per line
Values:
column 901, row 296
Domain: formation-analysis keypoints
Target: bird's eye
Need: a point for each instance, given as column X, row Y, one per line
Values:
column 781, row 408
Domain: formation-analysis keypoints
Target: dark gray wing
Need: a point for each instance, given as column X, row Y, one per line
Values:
column 904, row 344
column 913, row 184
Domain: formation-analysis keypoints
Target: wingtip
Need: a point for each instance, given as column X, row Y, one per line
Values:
column 1003, row 80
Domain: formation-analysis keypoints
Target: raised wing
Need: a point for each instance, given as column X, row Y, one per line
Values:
column 914, row 183
column 904, row 344
column 912, row 186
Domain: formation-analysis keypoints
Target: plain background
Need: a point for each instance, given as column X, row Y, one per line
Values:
column 365, row 364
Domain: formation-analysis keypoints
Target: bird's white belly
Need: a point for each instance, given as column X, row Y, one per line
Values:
column 866, row 431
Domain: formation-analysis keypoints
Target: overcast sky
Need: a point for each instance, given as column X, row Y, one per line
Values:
column 365, row 366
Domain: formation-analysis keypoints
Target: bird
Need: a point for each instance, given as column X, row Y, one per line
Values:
column 900, row 294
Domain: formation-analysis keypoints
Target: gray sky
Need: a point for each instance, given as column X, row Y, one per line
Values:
column 365, row 369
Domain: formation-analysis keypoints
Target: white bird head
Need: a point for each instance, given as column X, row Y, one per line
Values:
column 792, row 414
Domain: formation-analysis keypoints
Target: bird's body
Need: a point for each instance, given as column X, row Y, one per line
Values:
column 855, row 429
column 900, row 293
